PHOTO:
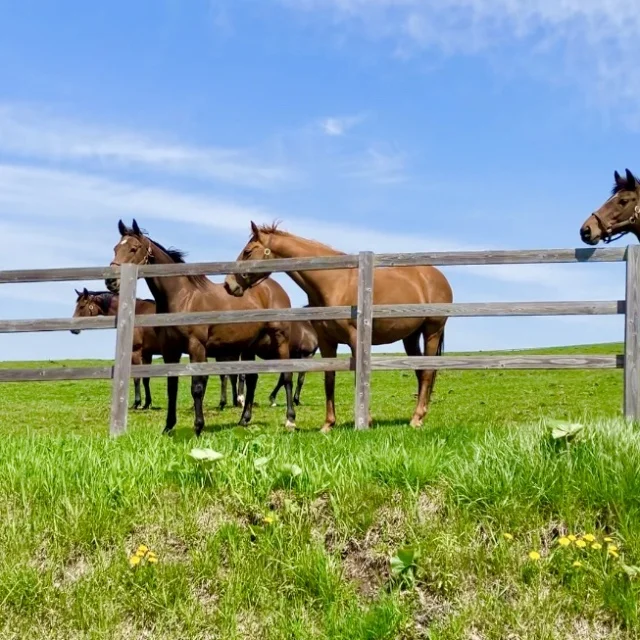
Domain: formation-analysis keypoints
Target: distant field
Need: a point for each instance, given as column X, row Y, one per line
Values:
column 390, row 533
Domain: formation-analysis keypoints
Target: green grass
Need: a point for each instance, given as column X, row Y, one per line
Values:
column 248, row 549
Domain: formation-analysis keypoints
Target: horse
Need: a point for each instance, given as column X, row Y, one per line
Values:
column 226, row 342
column 303, row 343
column 145, row 341
column 619, row 215
column 392, row 285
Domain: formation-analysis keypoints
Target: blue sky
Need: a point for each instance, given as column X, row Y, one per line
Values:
column 388, row 125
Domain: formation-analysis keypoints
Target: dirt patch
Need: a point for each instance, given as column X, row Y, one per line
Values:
column 212, row 517
column 74, row 569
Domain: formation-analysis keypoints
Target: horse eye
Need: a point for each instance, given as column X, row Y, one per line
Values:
column 623, row 202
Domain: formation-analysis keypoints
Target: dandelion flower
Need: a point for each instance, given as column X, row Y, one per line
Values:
column 589, row 537
column 143, row 548
column 534, row 555
column 134, row 561
column 612, row 547
column 596, row 546
column 608, row 539
column 507, row 536
column 614, row 554
column 577, row 563
column 564, row 542
column 152, row 559
column 140, row 554
column 581, row 544
column 268, row 519
column 572, row 537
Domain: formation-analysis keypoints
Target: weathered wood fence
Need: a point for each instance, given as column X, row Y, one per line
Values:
column 364, row 313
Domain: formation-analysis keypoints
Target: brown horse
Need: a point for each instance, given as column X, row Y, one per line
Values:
column 303, row 343
column 146, row 342
column 393, row 285
column 620, row 214
column 180, row 294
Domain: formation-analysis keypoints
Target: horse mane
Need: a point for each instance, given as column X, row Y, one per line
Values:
column 177, row 256
column 273, row 229
column 103, row 298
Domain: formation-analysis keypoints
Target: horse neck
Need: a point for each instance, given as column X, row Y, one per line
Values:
column 316, row 284
column 166, row 291
column 107, row 303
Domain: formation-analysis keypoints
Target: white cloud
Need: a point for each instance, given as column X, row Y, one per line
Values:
column 57, row 196
column 379, row 167
column 35, row 133
column 592, row 42
column 338, row 126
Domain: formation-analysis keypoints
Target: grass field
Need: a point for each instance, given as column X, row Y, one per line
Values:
column 390, row 533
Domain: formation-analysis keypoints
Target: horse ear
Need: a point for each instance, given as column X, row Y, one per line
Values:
column 122, row 228
column 136, row 228
column 254, row 230
column 85, row 292
column 631, row 181
column 77, row 293
column 618, row 178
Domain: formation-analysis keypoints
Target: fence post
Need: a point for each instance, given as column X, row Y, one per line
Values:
column 632, row 336
column 124, row 340
column 363, row 349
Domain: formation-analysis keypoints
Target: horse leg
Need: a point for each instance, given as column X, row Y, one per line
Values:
column 329, row 350
column 234, row 389
column 287, row 381
column 223, row 392
column 146, row 359
column 251, row 380
column 274, row 393
column 241, row 383
column 296, row 395
column 425, row 377
column 135, row 360
column 171, row 357
column 198, row 353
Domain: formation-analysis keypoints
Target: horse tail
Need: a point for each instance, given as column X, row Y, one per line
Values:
column 440, row 350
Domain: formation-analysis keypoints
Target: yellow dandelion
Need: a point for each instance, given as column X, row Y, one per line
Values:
column 614, row 554
column 507, row 536
column 134, row 561
column 564, row 542
column 577, row 563
column 143, row 548
column 612, row 547
column 152, row 559
column 581, row 544
column 596, row 546
column 589, row 537
column 608, row 539
column 268, row 519
column 534, row 555
column 139, row 554
column 571, row 537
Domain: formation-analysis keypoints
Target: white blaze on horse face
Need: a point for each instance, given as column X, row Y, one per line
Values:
column 124, row 241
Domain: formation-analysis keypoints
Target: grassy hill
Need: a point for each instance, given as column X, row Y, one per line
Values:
column 390, row 533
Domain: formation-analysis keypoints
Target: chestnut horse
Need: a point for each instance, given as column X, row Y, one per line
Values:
column 392, row 285
column 146, row 343
column 184, row 294
column 620, row 213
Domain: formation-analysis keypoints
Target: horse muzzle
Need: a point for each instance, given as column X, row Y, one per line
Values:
column 112, row 284
column 232, row 286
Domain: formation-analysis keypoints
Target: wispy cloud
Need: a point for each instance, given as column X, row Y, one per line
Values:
column 53, row 197
column 36, row 134
column 594, row 43
column 339, row 125
column 379, row 166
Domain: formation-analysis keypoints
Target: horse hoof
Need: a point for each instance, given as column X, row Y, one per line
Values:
column 146, row 407
column 167, row 431
column 290, row 426
column 415, row 423
column 241, row 401
column 326, row 429
column 273, row 403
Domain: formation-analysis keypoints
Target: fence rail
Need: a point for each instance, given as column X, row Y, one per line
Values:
column 363, row 313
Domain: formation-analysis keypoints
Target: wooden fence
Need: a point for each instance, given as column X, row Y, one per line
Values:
column 364, row 313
